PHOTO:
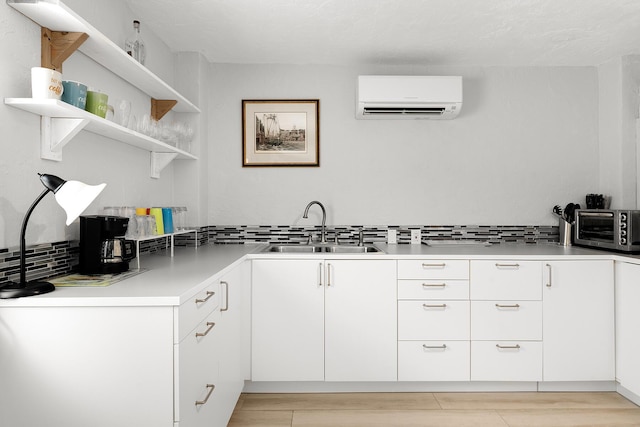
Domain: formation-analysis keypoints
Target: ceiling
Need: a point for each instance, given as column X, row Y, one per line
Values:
column 403, row 32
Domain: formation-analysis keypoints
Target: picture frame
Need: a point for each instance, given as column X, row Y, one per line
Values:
column 280, row 132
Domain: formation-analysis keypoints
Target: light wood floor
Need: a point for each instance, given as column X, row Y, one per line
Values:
column 436, row 409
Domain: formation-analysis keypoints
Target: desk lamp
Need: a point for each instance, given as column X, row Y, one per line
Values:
column 74, row 197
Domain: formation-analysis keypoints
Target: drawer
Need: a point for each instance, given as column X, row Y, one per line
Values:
column 433, row 269
column 506, row 361
column 433, row 320
column 506, row 320
column 434, row 360
column 194, row 310
column 198, row 377
column 433, row 289
column 506, row 280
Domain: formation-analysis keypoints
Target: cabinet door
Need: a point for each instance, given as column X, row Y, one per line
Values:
column 288, row 320
column 360, row 324
column 628, row 326
column 578, row 321
column 233, row 350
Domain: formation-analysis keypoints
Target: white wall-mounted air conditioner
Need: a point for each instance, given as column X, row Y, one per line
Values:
column 408, row 97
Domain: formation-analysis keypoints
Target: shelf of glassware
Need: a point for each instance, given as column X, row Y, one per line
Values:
column 64, row 121
column 169, row 240
column 56, row 16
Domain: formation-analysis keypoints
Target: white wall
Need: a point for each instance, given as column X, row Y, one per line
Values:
column 527, row 139
column 88, row 157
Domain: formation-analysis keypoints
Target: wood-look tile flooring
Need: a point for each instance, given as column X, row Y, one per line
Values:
column 436, row 409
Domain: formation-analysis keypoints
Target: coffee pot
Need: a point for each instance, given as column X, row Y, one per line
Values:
column 102, row 248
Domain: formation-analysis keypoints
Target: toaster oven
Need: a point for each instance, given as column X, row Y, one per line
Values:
column 617, row 230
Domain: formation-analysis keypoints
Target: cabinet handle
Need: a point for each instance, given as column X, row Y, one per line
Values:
column 210, row 327
column 328, row 274
column 427, row 265
column 516, row 265
column 508, row 305
column 209, row 295
column 508, row 347
column 320, row 274
column 434, row 285
column 434, row 305
column 549, row 275
column 226, row 296
column 211, row 387
column 433, row 347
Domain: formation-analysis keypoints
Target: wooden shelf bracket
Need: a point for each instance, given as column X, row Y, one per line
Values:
column 159, row 161
column 55, row 133
column 160, row 107
column 57, row 46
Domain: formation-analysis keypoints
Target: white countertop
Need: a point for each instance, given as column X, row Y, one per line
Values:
column 170, row 281
column 167, row 281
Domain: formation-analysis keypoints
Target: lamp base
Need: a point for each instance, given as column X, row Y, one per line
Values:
column 16, row 290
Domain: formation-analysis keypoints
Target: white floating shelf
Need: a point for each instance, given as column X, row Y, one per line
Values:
column 55, row 109
column 56, row 16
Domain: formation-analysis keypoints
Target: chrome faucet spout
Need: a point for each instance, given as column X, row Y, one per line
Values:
column 323, row 232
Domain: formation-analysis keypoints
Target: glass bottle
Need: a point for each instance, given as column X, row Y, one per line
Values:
column 134, row 44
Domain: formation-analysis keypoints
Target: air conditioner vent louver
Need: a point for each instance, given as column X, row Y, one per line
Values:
column 435, row 111
column 409, row 97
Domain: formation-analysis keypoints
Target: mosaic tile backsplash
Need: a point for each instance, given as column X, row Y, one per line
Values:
column 53, row 259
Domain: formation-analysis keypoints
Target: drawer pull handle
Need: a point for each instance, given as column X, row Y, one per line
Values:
column 226, row 296
column 508, row 347
column 516, row 265
column 426, row 265
column 211, row 387
column 209, row 295
column 508, row 306
column 434, row 305
column 434, row 347
column 210, row 326
column 434, row 285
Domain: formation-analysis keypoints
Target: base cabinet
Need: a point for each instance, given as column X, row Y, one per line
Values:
column 627, row 278
column 86, row 366
column 324, row 320
column 578, row 321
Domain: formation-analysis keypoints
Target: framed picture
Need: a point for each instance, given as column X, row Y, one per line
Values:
column 280, row 132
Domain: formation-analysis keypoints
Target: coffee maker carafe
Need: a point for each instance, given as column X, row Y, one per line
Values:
column 102, row 248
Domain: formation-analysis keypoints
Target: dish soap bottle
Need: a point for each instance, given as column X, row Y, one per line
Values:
column 134, row 45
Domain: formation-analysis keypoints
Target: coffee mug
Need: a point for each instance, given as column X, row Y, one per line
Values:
column 46, row 83
column 97, row 103
column 75, row 93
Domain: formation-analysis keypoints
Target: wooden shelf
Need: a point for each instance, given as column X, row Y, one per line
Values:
column 56, row 16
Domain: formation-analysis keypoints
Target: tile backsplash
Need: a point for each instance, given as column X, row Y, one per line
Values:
column 53, row 259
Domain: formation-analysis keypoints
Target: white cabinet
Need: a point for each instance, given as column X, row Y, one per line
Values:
column 315, row 320
column 360, row 321
column 86, row 366
column 212, row 356
column 287, row 320
column 433, row 320
column 627, row 277
column 506, row 320
column 578, row 325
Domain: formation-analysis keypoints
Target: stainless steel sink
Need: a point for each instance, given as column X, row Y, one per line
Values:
column 294, row 248
column 337, row 249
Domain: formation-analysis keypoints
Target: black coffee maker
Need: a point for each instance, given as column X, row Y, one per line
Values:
column 103, row 249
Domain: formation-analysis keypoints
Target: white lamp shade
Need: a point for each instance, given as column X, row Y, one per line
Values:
column 74, row 197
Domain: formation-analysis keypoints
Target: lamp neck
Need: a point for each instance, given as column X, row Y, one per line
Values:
column 23, row 246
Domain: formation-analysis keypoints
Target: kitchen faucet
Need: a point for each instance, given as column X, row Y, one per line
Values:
column 323, row 232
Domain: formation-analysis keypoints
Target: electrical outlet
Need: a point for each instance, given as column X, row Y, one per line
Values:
column 392, row 236
column 416, row 238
